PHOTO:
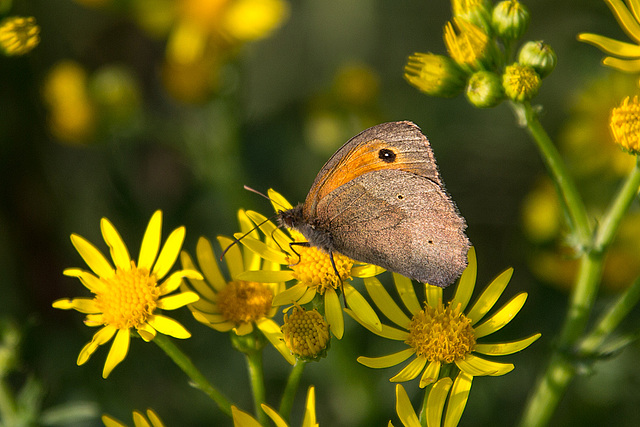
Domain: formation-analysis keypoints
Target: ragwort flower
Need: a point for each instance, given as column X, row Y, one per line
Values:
column 19, row 35
column 235, row 305
column 626, row 56
column 439, row 334
column 311, row 267
column 242, row 419
column 129, row 296
column 625, row 125
column 139, row 420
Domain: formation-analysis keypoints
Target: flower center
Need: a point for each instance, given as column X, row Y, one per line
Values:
column 441, row 334
column 314, row 268
column 520, row 82
column 306, row 333
column 242, row 302
column 131, row 297
column 625, row 125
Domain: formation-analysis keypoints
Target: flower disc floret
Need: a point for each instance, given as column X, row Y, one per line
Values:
column 306, row 333
column 241, row 301
column 316, row 270
column 521, row 82
column 625, row 125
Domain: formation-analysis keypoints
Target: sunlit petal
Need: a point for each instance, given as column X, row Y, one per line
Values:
column 266, row 276
column 489, row 296
column 261, row 248
column 92, row 256
column 611, row 46
column 385, row 303
column 388, row 360
column 410, row 371
column 278, row 201
column 273, row 333
column 501, row 317
column 168, row 326
column 118, row 351
column 83, row 305
column 407, row 293
column 433, row 294
column 430, row 374
column 176, row 301
column 242, row 419
column 289, row 296
column 361, row 307
column 405, row 411
column 119, row 252
column 275, row 417
column 200, row 286
column 626, row 20
column 625, row 65
column 457, row 399
column 436, row 400
column 504, row 348
column 151, row 241
column 386, row 331
column 90, row 281
column 477, row 366
column 174, row 280
column 467, row 282
column 170, row 252
column 367, row 270
column 146, row 332
column 333, row 312
column 209, row 264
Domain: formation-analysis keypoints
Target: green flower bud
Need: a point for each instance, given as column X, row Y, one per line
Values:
column 510, row 19
column 484, row 89
column 435, row 75
column 539, row 56
column 478, row 12
column 520, row 82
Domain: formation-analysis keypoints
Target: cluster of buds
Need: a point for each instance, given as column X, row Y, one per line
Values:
column 480, row 40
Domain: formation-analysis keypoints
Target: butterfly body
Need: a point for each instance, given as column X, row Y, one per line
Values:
column 380, row 199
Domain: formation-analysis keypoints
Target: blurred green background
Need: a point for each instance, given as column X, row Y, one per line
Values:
column 119, row 112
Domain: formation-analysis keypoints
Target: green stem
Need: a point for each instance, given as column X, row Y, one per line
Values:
column 291, row 388
column 565, row 186
column 192, row 372
column 611, row 319
column 256, row 377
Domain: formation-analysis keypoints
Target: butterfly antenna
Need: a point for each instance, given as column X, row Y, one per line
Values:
column 253, row 190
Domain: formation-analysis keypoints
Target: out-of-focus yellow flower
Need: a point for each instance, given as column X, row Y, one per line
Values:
column 247, row 20
column 520, row 82
column 454, row 393
column 626, row 56
column 242, row 419
column 541, row 214
column 139, row 420
column 478, row 12
column 469, row 46
column 625, row 125
column 19, row 35
column 71, row 113
column 435, row 75
column 356, row 84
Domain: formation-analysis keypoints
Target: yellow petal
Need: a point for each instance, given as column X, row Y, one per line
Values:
column 367, row 270
column 430, row 375
column 457, row 399
column 477, row 366
column 208, row 263
column 467, row 282
column 504, row 348
column 139, row 420
column 278, row 201
column 333, row 312
column 263, row 250
column 289, row 296
column 270, row 230
column 109, row 421
column 92, row 256
column 119, row 252
column 361, row 307
column 242, row 419
column 275, row 417
column 170, row 252
column 90, row 281
column 247, row 228
column 388, row 360
column 118, row 352
column 433, row 294
column 243, row 329
column 634, row 7
column 385, row 303
column 410, row 371
column 176, row 301
column 407, row 293
column 273, row 333
column 386, row 331
column 611, row 46
column 627, row 21
column 173, row 282
column 405, row 411
column 154, row 418
column 307, row 297
column 489, row 296
column 99, row 338
column 436, row 400
column 310, row 411
column 266, row 276
column 200, row 286
column 625, row 65
column 233, row 256
column 146, row 332
column 209, row 318
column 83, row 305
column 168, row 326
column 501, row 317
column 151, row 241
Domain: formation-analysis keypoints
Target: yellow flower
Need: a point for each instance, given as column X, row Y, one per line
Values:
column 129, row 296
column 520, row 82
column 435, row 75
column 235, row 305
column 247, row 20
column 457, row 393
column 628, row 54
column 242, row 419
column 469, row 47
column 625, row 125
column 311, row 267
column 19, row 35
column 306, row 333
column 139, row 420
column 439, row 334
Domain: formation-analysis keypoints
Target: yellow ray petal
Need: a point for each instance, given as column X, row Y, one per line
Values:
column 404, row 409
column 168, row 326
column 307, row 297
column 333, row 312
column 361, row 307
column 242, row 419
column 92, row 256
column 626, row 20
column 278, row 201
column 151, row 242
column 385, row 303
column 99, row 338
column 266, row 276
column 611, row 46
column 625, row 65
column 119, row 252
column 263, row 250
column 270, row 230
column 436, row 400
column 477, row 366
column 173, row 282
column 208, row 263
column 367, row 270
column 310, row 411
column 501, row 317
column 110, row 421
column 467, row 282
column 489, row 296
column 386, row 331
column 273, row 333
column 289, row 296
column 83, row 305
column 430, row 375
column 275, row 417
column 89, row 281
column 176, row 301
column 457, row 399
column 243, row 329
column 388, row 360
column 118, row 351
column 407, row 293
column 504, row 348
column 251, row 260
column 139, row 420
column 170, row 252
column 233, row 256
column 146, row 332
column 433, row 294
column 410, row 371
column 154, row 418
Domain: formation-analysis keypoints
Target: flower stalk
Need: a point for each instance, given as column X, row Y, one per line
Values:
column 291, row 388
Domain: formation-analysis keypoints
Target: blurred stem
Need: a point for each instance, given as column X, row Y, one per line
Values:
column 565, row 186
column 8, row 410
column 291, row 388
column 192, row 372
column 256, row 376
